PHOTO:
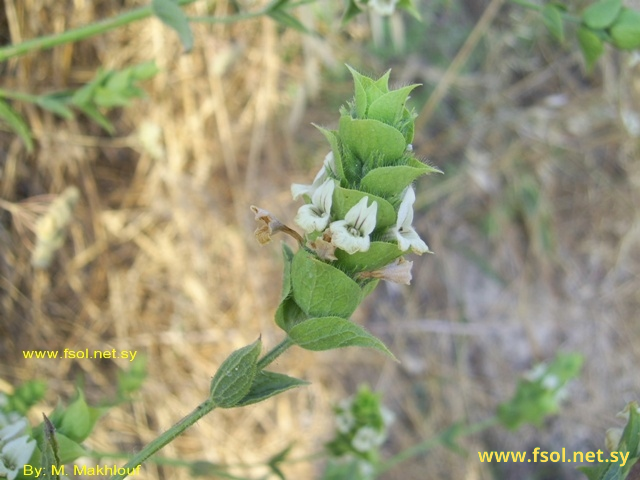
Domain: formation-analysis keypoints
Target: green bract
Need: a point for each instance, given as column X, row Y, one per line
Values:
column 321, row 289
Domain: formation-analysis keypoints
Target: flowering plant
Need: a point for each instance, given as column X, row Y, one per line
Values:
column 356, row 220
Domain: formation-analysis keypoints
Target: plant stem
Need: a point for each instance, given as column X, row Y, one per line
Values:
column 443, row 438
column 274, row 353
column 529, row 5
column 167, row 437
column 23, row 97
column 200, row 411
column 80, row 33
column 539, row 8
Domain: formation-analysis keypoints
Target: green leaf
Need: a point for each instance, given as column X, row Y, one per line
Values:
column 351, row 11
column 552, row 19
column 287, row 253
column 381, row 87
column 327, row 333
column 369, row 287
column 321, row 289
column 366, row 137
column 25, row 396
column 267, row 384
column 601, row 14
column 334, row 141
column 94, row 114
column 289, row 314
column 144, row 71
column 591, row 45
column 287, row 20
column 360, row 93
column 409, row 7
column 118, row 81
column 344, row 199
column 78, row 419
column 390, row 181
column 389, row 107
column 84, row 96
column 104, row 97
column 48, row 444
column 631, row 432
column 379, row 255
column 54, row 105
column 172, row 15
column 17, row 124
column 66, row 450
column 626, row 30
column 277, row 459
column 234, row 378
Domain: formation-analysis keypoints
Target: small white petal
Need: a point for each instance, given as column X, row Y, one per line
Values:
column 13, row 430
column 342, row 236
column 17, row 453
column 383, row 7
column 365, row 439
column 315, row 216
column 352, row 233
column 403, row 232
column 328, row 167
column 361, row 217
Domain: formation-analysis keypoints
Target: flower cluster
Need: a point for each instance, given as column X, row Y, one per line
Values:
column 362, row 196
column 361, row 424
column 356, row 221
column 16, row 446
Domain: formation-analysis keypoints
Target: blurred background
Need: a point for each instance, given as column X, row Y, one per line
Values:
column 534, row 224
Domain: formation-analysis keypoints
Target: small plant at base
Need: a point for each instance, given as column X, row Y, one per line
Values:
column 361, row 428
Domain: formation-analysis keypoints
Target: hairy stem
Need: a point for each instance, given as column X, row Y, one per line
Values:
column 200, row 411
column 80, row 33
column 167, row 437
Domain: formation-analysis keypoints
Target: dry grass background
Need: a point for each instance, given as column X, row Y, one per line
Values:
column 535, row 227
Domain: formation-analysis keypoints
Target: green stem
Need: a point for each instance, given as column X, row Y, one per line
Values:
column 168, row 436
column 529, row 5
column 274, row 353
column 80, row 33
column 443, row 438
column 237, row 17
column 23, row 97
column 201, row 410
column 539, row 8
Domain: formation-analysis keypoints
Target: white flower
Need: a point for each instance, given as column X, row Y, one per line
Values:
column 12, row 430
column 315, row 216
column 352, row 233
column 328, row 167
column 366, row 470
column 367, row 438
column 403, row 232
column 345, row 421
column 15, row 455
column 383, row 7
